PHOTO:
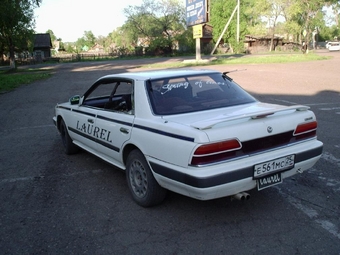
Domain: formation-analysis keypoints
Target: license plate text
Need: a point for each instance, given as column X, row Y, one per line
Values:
column 275, row 165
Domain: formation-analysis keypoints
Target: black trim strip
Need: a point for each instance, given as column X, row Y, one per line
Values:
column 308, row 154
column 90, row 137
column 115, row 121
column 85, row 113
column 224, row 178
column 107, row 145
column 190, row 139
column 202, row 182
column 63, row 107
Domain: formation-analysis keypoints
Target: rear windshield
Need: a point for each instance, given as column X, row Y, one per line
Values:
column 195, row 93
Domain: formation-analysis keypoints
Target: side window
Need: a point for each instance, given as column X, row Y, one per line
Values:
column 111, row 96
column 122, row 99
column 103, row 90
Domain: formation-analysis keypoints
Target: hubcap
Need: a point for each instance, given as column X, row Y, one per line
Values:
column 138, row 178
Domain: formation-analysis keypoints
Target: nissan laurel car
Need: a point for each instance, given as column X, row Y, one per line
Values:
column 194, row 132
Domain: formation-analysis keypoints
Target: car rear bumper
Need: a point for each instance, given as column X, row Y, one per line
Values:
column 231, row 177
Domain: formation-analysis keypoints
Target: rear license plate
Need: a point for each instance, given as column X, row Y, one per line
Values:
column 269, row 180
column 276, row 165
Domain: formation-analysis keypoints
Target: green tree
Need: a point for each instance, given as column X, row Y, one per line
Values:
column 123, row 37
column 86, row 42
column 272, row 11
column 220, row 13
column 52, row 35
column 56, row 43
column 89, row 38
column 305, row 15
column 157, row 22
column 16, row 25
column 329, row 33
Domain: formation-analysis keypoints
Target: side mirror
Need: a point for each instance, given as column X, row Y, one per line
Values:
column 75, row 100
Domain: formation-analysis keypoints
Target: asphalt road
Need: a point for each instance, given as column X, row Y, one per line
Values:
column 52, row 203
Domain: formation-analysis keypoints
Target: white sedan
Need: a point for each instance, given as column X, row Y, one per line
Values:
column 194, row 132
column 334, row 46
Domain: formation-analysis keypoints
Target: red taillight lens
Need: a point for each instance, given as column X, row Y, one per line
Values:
column 306, row 128
column 214, row 152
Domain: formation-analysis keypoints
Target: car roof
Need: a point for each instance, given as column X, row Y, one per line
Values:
column 159, row 74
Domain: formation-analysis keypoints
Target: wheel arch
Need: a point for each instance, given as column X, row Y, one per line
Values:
column 126, row 151
column 59, row 119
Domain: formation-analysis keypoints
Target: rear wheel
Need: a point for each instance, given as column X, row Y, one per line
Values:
column 142, row 184
column 69, row 146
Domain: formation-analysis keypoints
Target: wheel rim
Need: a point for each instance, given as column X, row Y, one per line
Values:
column 138, row 179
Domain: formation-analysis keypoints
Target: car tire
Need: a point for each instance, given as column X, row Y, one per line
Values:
column 69, row 146
column 142, row 184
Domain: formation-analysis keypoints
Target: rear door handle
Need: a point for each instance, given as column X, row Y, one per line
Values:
column 90, row 120
column 124, row 130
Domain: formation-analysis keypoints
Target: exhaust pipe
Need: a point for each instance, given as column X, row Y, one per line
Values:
column 246, row 195
column 242, row 196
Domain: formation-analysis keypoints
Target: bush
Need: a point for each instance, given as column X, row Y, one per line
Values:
column 237, row 47
column 207, row 48
column 160, row 47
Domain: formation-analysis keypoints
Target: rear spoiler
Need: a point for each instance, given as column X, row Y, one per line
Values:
column 206, row 124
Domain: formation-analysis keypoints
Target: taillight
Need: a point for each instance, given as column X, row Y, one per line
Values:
column 214, row 152
column 305, row 130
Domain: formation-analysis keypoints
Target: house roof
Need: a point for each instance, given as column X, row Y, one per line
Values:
column 261, row 38
column 42, row 41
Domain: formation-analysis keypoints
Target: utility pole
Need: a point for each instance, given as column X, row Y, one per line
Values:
column 224, row 30
column 238, row 21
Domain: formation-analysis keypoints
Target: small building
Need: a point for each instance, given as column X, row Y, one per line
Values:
column 42, row 47
column 255, row 44
column 207, row 34
column 97, row 48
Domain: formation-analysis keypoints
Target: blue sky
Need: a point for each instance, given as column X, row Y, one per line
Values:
column 68, row 19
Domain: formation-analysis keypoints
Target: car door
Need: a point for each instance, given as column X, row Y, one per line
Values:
column 84, row 131
column 81, row 126
column 115, row 124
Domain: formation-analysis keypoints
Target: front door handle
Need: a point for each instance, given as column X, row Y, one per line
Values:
column 90, row 120
column 124, row 130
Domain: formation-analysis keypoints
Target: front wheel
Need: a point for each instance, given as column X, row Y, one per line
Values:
column 69, row 146
column 142, row 184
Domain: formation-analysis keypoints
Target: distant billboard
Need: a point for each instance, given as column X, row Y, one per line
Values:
column 196, row 12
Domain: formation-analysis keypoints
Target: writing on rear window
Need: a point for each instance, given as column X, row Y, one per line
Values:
column 201, row 83
column 169, row 87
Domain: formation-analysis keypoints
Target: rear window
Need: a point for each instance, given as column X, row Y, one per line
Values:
column 195, row 93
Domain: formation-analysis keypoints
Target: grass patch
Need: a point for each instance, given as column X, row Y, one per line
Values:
column 245, row 59
column 11, row 79
column 269, row 59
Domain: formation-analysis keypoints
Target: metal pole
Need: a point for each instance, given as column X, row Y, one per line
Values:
column 238, row 21
column 198, row 49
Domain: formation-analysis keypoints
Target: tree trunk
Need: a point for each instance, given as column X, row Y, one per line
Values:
column 1, row 56
column 11, row 56
column 271, row 47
